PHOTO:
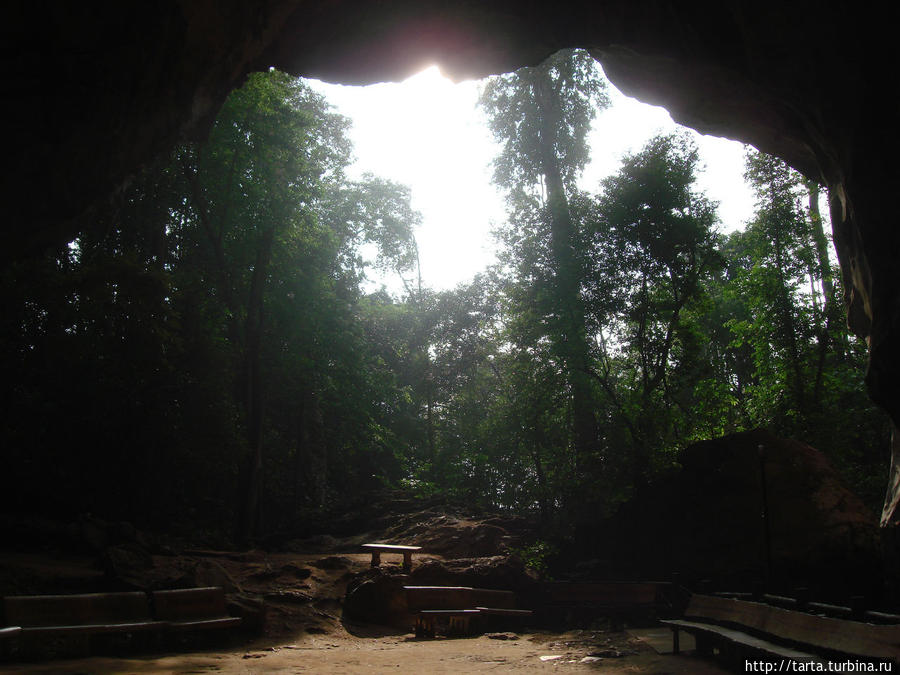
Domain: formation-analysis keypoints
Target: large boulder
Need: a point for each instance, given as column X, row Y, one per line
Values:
column 705, row 520
column 377, row 596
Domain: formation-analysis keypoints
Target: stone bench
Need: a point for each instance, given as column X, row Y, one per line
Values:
column 377, row 549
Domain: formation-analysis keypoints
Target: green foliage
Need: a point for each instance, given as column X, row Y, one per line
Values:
column 567, row 88
column 204, row 353
column 537, row 557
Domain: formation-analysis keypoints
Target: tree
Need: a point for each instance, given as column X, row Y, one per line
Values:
column 541, row 117
column 657, row 246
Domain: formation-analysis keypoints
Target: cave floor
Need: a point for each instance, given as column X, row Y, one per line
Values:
column 369, row 650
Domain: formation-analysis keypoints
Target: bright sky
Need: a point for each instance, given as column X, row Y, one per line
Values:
column 428, row 133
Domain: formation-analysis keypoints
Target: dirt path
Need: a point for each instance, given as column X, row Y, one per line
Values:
column 343, row 652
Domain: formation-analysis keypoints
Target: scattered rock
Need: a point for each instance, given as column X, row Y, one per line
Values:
column 551, row 657
column 253, row 612
column 295, row 597
column 296, row 570
column 506, row 572
column 333, row 562
column 501, row 636
column 320, row 543
column 129, row 564
column 92, row 531
column 211, row 573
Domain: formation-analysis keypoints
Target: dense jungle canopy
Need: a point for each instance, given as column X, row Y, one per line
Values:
column 205, row 357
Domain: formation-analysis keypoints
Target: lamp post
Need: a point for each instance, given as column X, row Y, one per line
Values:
column 767, row 543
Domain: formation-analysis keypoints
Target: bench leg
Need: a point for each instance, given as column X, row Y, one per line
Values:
column 676, row 642
column 407, row 561
column 459, row 626
column 424, row 627
column 376, row 558
column 704, row 645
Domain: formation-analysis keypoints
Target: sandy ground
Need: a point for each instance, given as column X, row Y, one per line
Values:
column 344, row 652
column 305, row 633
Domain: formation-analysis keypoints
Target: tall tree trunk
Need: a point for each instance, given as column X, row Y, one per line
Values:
column 832, row 310
column 785, row 307
column 572, row 337
column 253, row 395
column 311, row 461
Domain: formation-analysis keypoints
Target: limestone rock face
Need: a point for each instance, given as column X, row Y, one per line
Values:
column 94, row 90
column 705, row 519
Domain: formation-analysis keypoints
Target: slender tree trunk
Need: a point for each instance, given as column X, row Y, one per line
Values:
column 832, row 308
column 311, row 461
column 253, row 401
column 789, row 327
column 572, row 338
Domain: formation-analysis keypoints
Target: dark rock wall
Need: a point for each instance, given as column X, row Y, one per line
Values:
column 705, row 521
column 93, row 90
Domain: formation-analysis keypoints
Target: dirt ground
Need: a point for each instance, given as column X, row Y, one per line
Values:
column 305, row 633
column 343, row 652
column 303, row 589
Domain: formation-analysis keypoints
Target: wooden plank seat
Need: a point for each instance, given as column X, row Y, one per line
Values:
column 459, row 621
column 8, row 637
column 464, row 607
column 740, row 626
column 734, row 640
column 190, row 609
column 89, row 613
column 505, row 611
column 457, row 597
column 377, row 549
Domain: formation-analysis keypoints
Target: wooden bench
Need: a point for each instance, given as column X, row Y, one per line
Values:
column 193, row 609
column 463, row 606
column 8, row 637
column 378, row 549
column 46, row 615
column 459, row 621
column 35, row 620
column 742, row 629
column 46, row 622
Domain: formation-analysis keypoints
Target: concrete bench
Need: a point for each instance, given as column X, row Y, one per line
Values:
column 377, row 549
column 740, row 629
